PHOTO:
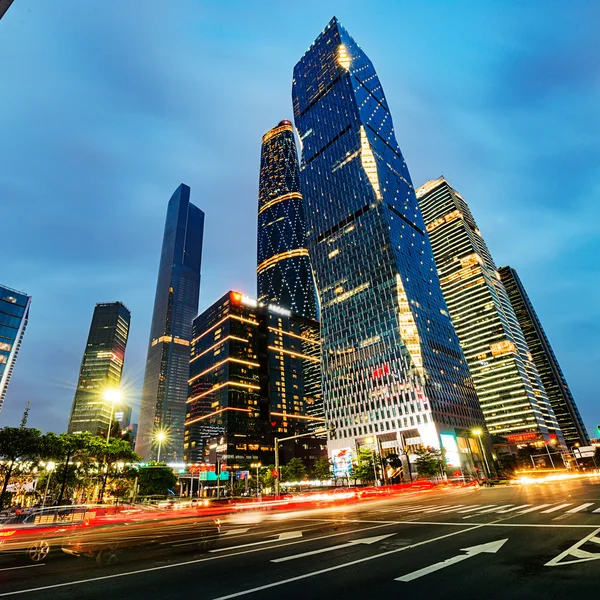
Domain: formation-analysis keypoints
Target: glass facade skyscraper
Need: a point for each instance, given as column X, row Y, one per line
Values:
column 14, row 316
column 164, row 393
column 393, row 371
column 101, row 369
column 284, row 276
column 555, row 383
column 508, row 385
column 254, row 374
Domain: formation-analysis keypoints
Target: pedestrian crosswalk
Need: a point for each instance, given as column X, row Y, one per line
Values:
column 465, row 511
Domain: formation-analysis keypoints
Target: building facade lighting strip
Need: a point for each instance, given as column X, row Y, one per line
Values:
column 282, row 198
column 296, row 354
column 273, row 260
column 212, row 414
column 250, row 386
column 218, row 343
column 217, row 365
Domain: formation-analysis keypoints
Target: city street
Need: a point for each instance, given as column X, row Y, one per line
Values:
column 540, row 540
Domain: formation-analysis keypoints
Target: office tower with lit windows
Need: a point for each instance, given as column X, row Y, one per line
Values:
column 14, row 316
column 101, row 369
column 164, row 392
column 394, row 376
column 508, row 385
column 555, row 383
column 284, row 276
column 254, row 375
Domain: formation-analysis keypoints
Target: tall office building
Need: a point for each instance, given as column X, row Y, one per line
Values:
column 101, row 369
column 393, row 371
column 283, row 271
column 254, row 374
column 508, row 385
column 164, row 393
column 4, row 6
column 555, row 384
column 14, row 316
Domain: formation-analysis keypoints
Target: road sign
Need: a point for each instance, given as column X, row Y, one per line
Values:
column 489, row 548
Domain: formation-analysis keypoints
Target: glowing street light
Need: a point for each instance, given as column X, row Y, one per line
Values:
column 160, row 437
column 258, row 466
column 478, row 432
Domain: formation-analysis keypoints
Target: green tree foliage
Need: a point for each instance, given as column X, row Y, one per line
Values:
column 17, row 445
column 156, row 480
column 429, row 462
column 294, row 470
column 322, row 469
column 363, row 468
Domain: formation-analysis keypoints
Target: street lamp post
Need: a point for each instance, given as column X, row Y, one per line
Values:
column 479, row 433
column 547, row 444
column 160, row 436
column 257, row 466
column 49, row 467
column 113, row 396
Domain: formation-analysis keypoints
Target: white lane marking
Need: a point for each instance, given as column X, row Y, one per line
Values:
column 436, row 508
column 287, row 535
column 488, row 510
column 453, row 509
column 344, row 565
column 574, row 550
column 22, row 567
column 236, row 531
column 533, row 508
column 501, row 512
column 476, row 507
column 368, row 541
column 489, row 548
column 555, row 508
column 596, row 511
column 197, row 560
column 579, row 508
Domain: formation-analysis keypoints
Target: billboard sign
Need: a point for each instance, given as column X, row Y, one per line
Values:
column 342, row 462
column 451, row 447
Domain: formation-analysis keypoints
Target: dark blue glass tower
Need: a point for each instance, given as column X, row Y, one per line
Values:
column 14, row 316
column 284, row 276
column 394, row 374
column 165, row 388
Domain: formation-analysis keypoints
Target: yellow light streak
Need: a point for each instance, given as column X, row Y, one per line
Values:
column 216, row 412
column 273, row 201
column 296, row 354
column 300, row 337
column 223, row 321
column 217, row 365
column 218, row 343
column 250, row 386
column 273, row 260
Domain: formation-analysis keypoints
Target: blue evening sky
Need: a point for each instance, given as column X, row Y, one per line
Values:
column 106, row 107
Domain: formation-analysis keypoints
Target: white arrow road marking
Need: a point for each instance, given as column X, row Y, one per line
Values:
column 596, row 511
column 575, row 550
column 369, row 540
column 235, row 531
column 488, row 510
column 501, row 512
column 490, row 548
column 534, row 508
column 555, row 508
column 580, row 508
column 288, row 535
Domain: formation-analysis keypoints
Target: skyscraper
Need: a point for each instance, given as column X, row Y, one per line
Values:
column 14, row 315
column 254, row 374
column 164, row 393
column 508, row 385
column 283, row 271
column 393, row 372
column 555, row 384
column 101, row 368
column 4, row 6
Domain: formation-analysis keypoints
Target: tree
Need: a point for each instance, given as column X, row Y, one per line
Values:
column 294, row 470
column 156, row 479
column 364, row 469
column 17, row 444
column 322, row 468
column 115, row 451
column 429, row 462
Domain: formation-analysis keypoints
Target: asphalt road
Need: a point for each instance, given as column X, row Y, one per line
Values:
column 519, row 542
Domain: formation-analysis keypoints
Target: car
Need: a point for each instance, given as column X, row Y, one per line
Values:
column 109, row 544
column 33, row 535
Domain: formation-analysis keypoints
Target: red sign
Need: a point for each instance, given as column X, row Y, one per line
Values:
column 378, row 373
column 522, row 437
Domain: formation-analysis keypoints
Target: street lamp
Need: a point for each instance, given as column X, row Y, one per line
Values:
column 160, row 436
column 50, row 466
column 479, row 432
column 547, row 444
column 258, row 466
column 112, row 396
